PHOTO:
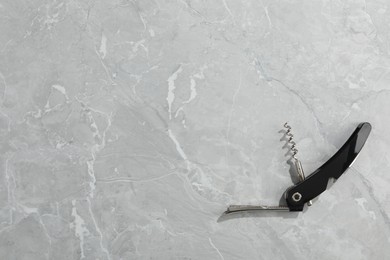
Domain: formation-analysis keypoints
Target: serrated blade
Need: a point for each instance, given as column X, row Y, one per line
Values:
column 242, row 208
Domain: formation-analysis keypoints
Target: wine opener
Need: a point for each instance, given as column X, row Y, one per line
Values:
column 316, row 183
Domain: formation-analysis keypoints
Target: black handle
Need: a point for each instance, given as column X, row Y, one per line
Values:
column 316, row 183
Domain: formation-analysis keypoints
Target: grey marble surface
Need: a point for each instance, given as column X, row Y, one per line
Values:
column 128, row 127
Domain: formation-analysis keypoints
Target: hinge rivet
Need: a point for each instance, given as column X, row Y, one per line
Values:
column 296, row 196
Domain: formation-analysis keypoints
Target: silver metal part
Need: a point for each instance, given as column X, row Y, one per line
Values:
column 293, row 148
column 299, row 169
column 296, row 196
column 240, row 208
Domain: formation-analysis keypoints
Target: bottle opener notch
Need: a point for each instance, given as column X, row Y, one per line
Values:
column 316, row 183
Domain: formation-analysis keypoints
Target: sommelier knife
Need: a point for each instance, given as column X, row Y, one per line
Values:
column 316, row 183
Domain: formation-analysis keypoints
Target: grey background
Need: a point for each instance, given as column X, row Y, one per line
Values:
column 128, row 127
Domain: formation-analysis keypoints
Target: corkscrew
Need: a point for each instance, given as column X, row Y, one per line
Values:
column 308, row 188
column 294, row 151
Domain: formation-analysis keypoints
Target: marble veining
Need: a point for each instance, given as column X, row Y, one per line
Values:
column 128, row 127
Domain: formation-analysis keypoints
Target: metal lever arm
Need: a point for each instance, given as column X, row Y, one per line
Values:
column 316, row 183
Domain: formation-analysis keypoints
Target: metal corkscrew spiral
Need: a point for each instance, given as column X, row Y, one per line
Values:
column 290, row 139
